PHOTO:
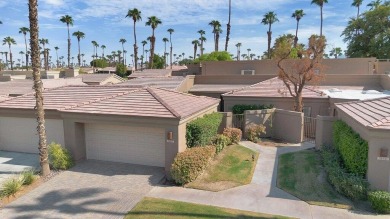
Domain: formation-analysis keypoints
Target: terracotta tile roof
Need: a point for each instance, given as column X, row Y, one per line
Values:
column 373, row 113
column 98, row 78
column 117, row 100
column 20, row 87
column 172, row 82
column 273, row 88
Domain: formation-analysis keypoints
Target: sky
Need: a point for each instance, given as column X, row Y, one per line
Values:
column 105, row 22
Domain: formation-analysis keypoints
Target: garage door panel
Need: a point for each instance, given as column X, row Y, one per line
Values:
column 20, row 135
column 138, row 145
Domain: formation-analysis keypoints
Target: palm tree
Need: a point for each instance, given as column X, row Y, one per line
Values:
column 57, row 48
column 357, row 3
column 10, row 41
column 124, row 56
column 68, row 20
column 119, row 56
column 165, row 40
column 123, row 41
column 269, row 19
column 45, row 56
column 21, row 53
column 321, row 4
column 95, row 46
column 103, row 48
column 216, row 31
column 79, row 35
column 153, row 22
column 374, row 4
column 238, row 45
column 82, row 58
column 195, row 43
column 135, row 14
column 144, row 42
column 248, row 51
column 170, row 31
column 298, row 14
column 38, row 87
column 24, row 31
column 202, row 39
column 336, row 52
column 228, row 26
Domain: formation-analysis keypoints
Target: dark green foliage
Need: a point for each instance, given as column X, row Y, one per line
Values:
column 220, row 142
column 380, row 201
column 214, row 56
column 99, row 63
column 121, row 70
column 241, row 108
column 158, row 62
column 350, row 185
column 188, row 165
column 59, row 157
column 200, row 132
column 352, row 148
column 28, row 176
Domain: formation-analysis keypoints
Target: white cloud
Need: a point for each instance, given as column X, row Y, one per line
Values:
column 54, row 2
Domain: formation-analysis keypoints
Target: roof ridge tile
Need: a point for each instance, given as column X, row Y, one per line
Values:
column 160, row 100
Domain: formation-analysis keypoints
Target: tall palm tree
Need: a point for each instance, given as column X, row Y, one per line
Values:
column 238, row 45
column 119, row 56
column 336, row 52
column 195, row 43
column 82, row 58
column 298, row 14
column 95, row 46
column 357, row 3
column 320, row 3
column 202, row 39
column 216, row 31
column 79, row 35
column 24, row 31
column 248, row 51
column 123, row 41
column 269, row 19
column 374, row 4
column 153, row 22
column 10, row 41
column 21, row 53
column 228, row 26
column 170, row 31
column 146, row 51
column 165, row 40
column 144, row 42
column 6, row 59
column 135, row 14
column 57, row 48
column 38, row 87
column 103, row 48
column 45, row 56
column 124, row 56
column 68, row 20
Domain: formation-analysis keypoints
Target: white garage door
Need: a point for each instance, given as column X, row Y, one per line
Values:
column 136, row 145
column 20, row 135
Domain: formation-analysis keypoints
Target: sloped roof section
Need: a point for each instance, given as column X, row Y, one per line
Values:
column 171, row 82
column 273, row 88
column 374, row 113
column 98, row 78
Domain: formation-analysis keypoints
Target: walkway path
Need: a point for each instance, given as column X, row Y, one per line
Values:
column 261, row 195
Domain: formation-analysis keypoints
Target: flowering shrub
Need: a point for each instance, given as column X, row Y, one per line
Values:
column 233, row 134
column 254, row 131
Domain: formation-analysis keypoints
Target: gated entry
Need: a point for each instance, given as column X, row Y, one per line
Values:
column 309, row 126
column 238, row 121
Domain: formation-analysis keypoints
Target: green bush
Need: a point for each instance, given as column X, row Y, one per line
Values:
column 380, row 201
column 11, row 186
column 121, row 70
column 233, row 134
column 99, row 63
column 214, row 56
column 59, row 157
column 200, row 132
column 188, row 165
column 254, row 131
column 352, row 148
column 28, row 176
column 348, row 184
column 220, row 142
column 241, row 108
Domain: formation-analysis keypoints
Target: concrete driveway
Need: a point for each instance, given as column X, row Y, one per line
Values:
column 92, row 189
column 12, row 163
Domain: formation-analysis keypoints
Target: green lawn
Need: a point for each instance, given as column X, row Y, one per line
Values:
column 302, row 175
column 162, row 208
column 232, row 167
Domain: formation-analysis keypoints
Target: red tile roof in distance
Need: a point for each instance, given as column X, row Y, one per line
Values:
column 273, row 87
column 374, row 113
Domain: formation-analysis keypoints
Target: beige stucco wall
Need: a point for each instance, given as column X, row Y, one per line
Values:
column 350, row 80
column 383, row 67
column 232, row 79
column 261, row 67
column 187, row 84
column 324, row 131
column 385, row 82
column 263, row 117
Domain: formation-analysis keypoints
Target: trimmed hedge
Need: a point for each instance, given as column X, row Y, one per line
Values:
column 188, row 165
column 350, row 185
column 233, row 134
column 59, row 157
column 352, row 148
column 220, row 142
column 241, row 108
column 254, row 131
column 200, row 132
column 380, row 201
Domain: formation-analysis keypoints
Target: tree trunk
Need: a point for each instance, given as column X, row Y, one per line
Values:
column 239, row 54
column 269, row 33
column 228, row 26
column 135, row 49
column 296, row 36
column 216, row 41
column 68, row 47
column 25, row 43
column 79, row 55
column 195, row 48
column 152, row 41
column 38, row 87
column 321, row 22
column 201, row 47
column 298, row 103
column 10, row 57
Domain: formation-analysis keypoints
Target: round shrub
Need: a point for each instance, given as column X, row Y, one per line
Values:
column 220, row 142
column 233, row 134
column 188, row 165
column 380, row 201
column 200, row 132
column 254, row 131
column 59, row 157
column 28, row 176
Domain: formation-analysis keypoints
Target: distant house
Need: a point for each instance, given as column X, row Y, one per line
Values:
column 101, row 79
column 170, row 82
column 151, row 73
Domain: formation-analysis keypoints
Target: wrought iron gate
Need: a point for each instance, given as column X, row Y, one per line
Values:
column 309, row 126
column 238, row 121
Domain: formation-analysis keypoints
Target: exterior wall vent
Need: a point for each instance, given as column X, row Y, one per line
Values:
column 247, row 72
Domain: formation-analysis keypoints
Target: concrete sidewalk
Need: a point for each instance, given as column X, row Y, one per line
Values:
column 261, row 195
